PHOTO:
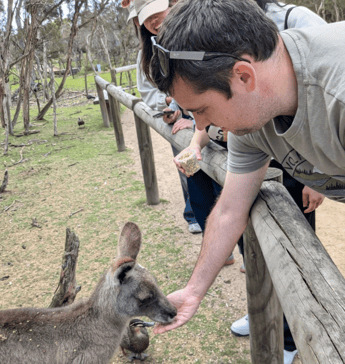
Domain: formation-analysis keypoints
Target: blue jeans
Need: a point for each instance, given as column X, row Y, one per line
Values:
column 188, row 213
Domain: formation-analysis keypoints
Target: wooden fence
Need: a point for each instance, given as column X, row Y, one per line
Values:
column 287, row 268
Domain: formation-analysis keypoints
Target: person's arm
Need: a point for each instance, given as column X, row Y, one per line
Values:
column 224, row 227
column 200, row 140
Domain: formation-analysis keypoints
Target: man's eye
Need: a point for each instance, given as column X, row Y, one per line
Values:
column 200, row 112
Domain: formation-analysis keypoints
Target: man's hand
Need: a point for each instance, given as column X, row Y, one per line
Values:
column 197, row 151
column 170, row 119
column 311, row 199
column 186, row 303
column 182, row 124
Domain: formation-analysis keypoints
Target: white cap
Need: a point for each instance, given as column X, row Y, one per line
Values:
column 146, row 8
column 132, row 11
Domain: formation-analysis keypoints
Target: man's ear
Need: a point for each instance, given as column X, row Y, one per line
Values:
column 245, row 75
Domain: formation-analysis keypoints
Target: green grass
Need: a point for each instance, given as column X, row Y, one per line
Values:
column 78, row 82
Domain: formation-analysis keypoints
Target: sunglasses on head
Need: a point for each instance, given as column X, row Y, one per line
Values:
column 164, row 56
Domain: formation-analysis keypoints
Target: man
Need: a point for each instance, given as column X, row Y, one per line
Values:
column 296, row 78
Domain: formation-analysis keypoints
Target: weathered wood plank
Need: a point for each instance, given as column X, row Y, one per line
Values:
column 123, row 97
column 125, row 68
column 310, row 288
column 116, row 119
column 264, row 309
column 147, row 161
column 103, row 106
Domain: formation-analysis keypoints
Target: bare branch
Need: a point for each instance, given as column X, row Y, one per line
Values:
column 100, row 10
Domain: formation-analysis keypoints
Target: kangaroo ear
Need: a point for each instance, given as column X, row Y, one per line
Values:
column 130, row 241
column 123, row 271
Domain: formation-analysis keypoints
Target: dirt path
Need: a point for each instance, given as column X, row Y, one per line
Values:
column 330, row 218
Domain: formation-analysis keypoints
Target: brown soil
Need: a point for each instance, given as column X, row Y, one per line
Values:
column 329, row 218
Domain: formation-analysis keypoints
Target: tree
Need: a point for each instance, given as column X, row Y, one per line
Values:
column 5, row 96
column 98, row 9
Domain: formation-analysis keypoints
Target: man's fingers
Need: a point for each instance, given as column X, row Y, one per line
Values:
column 161, row 329
column 310, row 208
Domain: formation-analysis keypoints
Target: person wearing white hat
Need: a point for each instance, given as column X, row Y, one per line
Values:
column 149, row 8
column 147, row 16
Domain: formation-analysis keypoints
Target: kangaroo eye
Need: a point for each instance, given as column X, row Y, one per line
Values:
column 146, row 301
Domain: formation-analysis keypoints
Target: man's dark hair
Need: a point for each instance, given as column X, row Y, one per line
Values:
column 238, row 27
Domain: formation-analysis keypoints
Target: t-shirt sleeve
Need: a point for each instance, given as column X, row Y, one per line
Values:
column 243, row 155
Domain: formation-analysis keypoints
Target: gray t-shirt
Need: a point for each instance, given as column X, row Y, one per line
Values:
column 311, row 145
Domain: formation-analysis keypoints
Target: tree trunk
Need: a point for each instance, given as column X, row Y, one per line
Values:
column 28, row 64
column 8, row 107
column 4, row 182
column 45, row 83
column 54, row 100
column 3, row 124
column 86, row 90
column 104, row 46
column 19, row 103
column 4, row 107
column 67, row 289
column 20, row 94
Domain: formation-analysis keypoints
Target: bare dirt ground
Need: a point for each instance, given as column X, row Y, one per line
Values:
column 330, row 219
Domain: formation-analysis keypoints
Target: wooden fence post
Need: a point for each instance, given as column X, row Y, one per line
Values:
column 116, row 119
column 264, row 309
column 103, row 106
column 113, row 76
column 147, row 161
column 265, row 312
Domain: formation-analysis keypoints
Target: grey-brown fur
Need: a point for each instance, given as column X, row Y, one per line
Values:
column 88, row 331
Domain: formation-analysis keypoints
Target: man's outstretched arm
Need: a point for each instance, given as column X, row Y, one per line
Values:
column 224, row 227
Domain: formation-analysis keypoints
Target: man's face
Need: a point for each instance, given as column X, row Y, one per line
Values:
column 240, row 115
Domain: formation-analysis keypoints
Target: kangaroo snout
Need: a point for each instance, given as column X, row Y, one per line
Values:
column 165, row 314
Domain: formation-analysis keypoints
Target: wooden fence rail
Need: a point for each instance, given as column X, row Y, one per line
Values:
column 121, row 70
column 287, row 267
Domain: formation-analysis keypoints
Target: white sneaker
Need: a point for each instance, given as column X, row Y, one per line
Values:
column 241, row 327
column 289, row 356
column 194, row 228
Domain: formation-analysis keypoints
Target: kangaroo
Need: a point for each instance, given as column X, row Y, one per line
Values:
column 90, row 330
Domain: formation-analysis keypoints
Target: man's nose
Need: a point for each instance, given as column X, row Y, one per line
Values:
column 200, row 122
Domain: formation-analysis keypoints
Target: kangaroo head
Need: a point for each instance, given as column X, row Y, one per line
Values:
column 138, row 292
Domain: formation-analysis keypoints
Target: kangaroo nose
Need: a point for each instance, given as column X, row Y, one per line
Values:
column 172, row 313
